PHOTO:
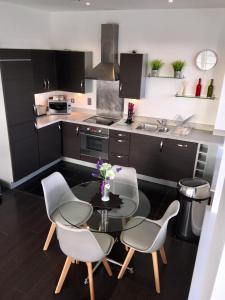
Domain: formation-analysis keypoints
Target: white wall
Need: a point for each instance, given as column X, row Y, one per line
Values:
column 23, row 28
column 165, row 34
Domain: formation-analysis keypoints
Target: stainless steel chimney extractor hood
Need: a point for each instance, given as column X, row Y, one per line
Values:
column 108, row 68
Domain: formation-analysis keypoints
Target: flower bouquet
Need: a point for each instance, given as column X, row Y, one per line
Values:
column 105, row 173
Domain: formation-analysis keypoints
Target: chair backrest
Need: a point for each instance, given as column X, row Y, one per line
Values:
column 56, row 192
column 171, row 212
column 125, row 183
column 80, row 244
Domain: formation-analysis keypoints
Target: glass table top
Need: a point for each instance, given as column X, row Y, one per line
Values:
column 111, row 216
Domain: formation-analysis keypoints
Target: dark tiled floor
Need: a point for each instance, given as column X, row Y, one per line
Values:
column 26, row 272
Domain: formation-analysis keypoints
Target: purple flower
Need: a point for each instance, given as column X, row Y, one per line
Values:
column 102, row 187
column 118, row 169
column 96, row 174
column 99, row 163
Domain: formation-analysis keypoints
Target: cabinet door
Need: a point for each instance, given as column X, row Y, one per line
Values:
column 24, row 150
column 49, row 140
column 145, row 154
column 17, row 84
column 131, row 75
column 71, row 140
column 44, row 70
column 71, row 71
column 178, row 159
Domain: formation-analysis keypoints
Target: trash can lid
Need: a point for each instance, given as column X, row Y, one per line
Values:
column 193, row 182
column 194, row 188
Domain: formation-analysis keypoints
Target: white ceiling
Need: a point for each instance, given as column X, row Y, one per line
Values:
column 68, row 5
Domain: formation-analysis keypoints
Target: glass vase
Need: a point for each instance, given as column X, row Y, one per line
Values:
column 105, row 191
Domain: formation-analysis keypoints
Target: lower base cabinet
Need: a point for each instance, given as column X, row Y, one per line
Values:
column 166, row 159
column 71, row 140
column 50, row 143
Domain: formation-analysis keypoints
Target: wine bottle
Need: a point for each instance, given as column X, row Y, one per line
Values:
column 210, row 90
column 198, row 88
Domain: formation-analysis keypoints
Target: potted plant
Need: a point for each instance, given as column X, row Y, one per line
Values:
column 178, row 67
column 155, row 65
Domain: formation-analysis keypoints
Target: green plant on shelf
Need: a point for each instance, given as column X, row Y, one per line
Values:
column 156, row 64
column 178, row 65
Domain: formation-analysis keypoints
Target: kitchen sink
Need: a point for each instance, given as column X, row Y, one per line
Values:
column 148, row 127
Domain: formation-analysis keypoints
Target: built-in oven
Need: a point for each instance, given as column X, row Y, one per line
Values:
column 94, row 142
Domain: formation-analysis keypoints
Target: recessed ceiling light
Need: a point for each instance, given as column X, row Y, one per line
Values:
column 170, row 1
column 88, row 3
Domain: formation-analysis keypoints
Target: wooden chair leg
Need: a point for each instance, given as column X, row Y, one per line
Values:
column 156, row 271
column 49, row 237
column 126, row 263
column 91, row 282
column 107, row 266
column 163, row 255
column 63, row 274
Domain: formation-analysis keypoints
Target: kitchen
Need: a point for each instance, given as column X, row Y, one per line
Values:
column 155, row 34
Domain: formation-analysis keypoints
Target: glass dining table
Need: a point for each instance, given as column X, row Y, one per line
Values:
column 108, row 217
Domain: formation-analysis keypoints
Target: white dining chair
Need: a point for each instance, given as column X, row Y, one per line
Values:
column 84, row 246
column 126, row 186
column 59, row 201
column 148, row 236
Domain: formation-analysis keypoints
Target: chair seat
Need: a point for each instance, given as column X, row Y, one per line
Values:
column 72, row 212
column 105, row 241
column 140, row 234
column 127, row 209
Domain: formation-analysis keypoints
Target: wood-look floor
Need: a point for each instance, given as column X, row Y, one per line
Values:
column 26, row 272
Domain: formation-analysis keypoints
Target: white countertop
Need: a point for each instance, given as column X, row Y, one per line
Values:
column 78, row 117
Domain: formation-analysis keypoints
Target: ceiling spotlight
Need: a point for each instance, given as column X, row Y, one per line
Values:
column 170, row 1
column 88, row 3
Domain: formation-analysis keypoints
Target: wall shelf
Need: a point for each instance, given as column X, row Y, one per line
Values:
column 167, row 77
column 190, row 96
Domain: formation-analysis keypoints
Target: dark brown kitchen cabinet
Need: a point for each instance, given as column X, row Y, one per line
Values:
column 44, row 70
column 24, row 150
column 162, row 158
column 50, row 143
column 71, row 68
column 145, row 154
column 177, row 159
column 132, row 75
column 17, row 86
column 17, row 83
column 71, row 140
column 119, row 147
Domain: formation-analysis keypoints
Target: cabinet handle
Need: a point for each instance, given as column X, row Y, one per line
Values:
column 161, row 146
column 121, row 141
column 121, row 134
column 59, row 126
column 35, row 109
column 77, row 130
column 81, row 83
column 182, row 145
column 119, row 156
column 121, row 86
column 44, row 84
column 48, row 84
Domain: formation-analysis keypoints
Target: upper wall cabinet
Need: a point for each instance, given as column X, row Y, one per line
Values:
column 133, row 69
column 44, row 70
column 71, row 68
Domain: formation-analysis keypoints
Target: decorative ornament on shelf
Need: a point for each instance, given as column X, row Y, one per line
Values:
column 130, row 113
column 210, row 89
column 105, row 173
column 178, row 66
column 155, row 65
column 198, row 88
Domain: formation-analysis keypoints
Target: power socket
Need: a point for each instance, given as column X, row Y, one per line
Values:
column 89, row 101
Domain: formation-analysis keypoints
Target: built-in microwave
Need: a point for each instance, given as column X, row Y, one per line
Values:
column 57, row 107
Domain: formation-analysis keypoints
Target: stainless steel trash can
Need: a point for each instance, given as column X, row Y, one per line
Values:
column 194, row 195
